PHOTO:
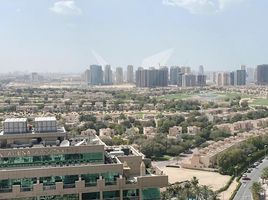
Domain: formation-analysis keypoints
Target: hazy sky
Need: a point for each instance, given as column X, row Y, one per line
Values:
column 59, row 36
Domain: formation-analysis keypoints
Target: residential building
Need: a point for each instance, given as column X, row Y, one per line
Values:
column 262, row 74
column 241, row 77
column 201, row 80
column 130, row 74
column 119, row 75
column 96, row 75
column 174, row 75
column 108, row 75
column 201, row 70
column 188, row 80
column 152, row 77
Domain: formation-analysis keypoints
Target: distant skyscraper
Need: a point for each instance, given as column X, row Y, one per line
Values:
column 232, row 78
column 174, row 75
column 152, row 77
column 241, row 77
column 188, row 80
column 108, row 75
column 162, row 77
column 35, row 77
column 262, row 74
column 96, row 75
column 141, row 77
column 180, row 80
column 186, row 70
column 201, row 80
column 223, row 79
column 119, row 75
column 130, row 74
column 201, row 70
column 87, row 77
column 251, row 75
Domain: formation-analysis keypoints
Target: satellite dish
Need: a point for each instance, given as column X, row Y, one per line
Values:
column 65, row 143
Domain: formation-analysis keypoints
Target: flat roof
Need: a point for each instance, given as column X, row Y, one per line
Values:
column 16, row 120
column 41, row 119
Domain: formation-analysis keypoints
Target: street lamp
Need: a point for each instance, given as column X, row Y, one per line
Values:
column 249, row 155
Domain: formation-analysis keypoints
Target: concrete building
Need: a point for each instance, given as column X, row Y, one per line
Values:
column 186, row 70
column 262, row 74
column 35, row 77
column 251, row 75
column 152, row 77
column 150, row 132
column 96, row 75
column 174, row 132
column 174, row 75
column 207, row 157
column 108, row 75
column 241, row 77
column 87, row 77
column 201, row 70
column 119, row 75
column 40, row 166
column 188, row 80
column 130, row 74
column 232, row 78
column 222, row 79
column 201, row 80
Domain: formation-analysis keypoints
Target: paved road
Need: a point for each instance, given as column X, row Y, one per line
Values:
column 244, row 192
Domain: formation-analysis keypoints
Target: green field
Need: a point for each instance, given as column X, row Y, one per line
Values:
column 232, row 95
column 260, row 102
column 178, row 96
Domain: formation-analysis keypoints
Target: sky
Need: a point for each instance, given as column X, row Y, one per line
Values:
column 69, row 35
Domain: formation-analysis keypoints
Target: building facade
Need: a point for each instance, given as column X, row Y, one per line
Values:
column 119, row 75
column 108, row 75
column 152, row 77
column 50, row 165
column 130, row 74
column 262, row 74
column 174, row 75
column 96, row 75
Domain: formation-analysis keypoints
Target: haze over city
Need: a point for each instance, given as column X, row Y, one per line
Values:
column 59, row 36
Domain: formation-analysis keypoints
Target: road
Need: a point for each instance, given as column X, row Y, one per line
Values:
column 244, row 192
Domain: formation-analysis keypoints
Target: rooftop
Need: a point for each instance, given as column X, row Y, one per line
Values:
column 16, row 120
column 38, row 119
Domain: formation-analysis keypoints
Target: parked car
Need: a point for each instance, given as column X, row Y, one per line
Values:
column 246, row 178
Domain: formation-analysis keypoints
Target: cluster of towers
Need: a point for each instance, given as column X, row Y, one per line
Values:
column 95, row 75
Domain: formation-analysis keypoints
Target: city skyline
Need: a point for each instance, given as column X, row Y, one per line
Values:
column 59, row 36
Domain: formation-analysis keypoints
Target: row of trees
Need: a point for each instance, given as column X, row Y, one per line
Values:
column 238, row 158
column 189, row 190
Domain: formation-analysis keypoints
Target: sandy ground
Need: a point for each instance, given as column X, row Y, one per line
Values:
column 212, row 179
column 228, row 193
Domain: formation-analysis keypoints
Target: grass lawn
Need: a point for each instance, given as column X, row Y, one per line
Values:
column 178, row 96
column 232, row 95
column 260, row 102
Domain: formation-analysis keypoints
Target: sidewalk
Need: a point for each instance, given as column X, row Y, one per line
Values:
column 228, row 193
